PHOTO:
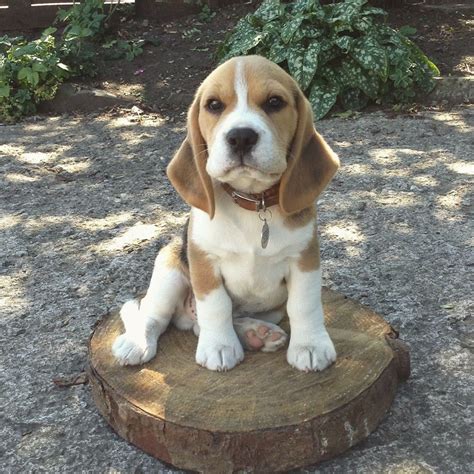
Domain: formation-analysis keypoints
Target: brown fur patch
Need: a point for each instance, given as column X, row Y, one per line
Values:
column 300, row 219
column 309, row 259
column 203, row 275
column 172, row 255
column 264, row 79
column 311, row 163
column 187, row 170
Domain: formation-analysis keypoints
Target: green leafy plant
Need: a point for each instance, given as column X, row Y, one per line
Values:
column 85, row 39
column 339, row 52
column 206, row 14
column 117, row 49
column 30, row 72
column 84, row 28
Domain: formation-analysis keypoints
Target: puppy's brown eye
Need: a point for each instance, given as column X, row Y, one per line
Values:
column 215, row 106
column 274, row 104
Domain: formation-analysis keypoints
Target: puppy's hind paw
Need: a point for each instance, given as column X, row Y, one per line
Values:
column 130, row 350
column 258, row 335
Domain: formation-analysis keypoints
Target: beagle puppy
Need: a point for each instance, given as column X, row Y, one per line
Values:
column 251, row 168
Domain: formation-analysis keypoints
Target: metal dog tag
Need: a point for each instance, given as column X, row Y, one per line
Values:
column 263, row 212
column 265, row 234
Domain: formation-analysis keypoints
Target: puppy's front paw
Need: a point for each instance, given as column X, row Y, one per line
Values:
column 133, row 350
column 312, row 355
column 218, row 356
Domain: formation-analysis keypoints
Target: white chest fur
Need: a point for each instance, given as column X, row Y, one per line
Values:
column 255, row 278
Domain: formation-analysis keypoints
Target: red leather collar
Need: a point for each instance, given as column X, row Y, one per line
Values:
column 254, row 202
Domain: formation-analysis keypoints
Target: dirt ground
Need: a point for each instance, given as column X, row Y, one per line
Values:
column 165, row 77
column 85, row 205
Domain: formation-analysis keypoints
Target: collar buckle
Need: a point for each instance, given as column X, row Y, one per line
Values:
column 236, row 196
column 253, row 202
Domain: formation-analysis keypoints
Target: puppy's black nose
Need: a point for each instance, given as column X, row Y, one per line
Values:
column 242, row 140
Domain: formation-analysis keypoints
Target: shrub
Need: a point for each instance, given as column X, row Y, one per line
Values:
column 30, row 72
column 84, row 39
column 84, row 26
column 339, row 52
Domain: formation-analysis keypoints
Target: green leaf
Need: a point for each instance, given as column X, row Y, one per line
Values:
column 352, row 75
column 310, row 31
column 310, row 63
column 48, row 31
column 364, row 24
column 370, row 55
column 433, row 68
column 75, row 30
column 269, row 10
column 330, row 75
column 407, row 30
column 34, row 79
column 290, row 28
column 374, row 11
column 4, row 90
column 246, row 38
column 277, row 53
column 346, row 12
column 24, row 73
column 294, row 59
column 38, row 67
column 272, row 29
column 25, row 50
column 86, row 32
column 353, row 99
column 328, row 51
column 322, row 97
column 396, row 55
column 344, row 42
column 303, row 63
column 301, row 6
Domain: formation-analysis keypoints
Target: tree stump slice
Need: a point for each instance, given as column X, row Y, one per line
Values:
column 262, row 416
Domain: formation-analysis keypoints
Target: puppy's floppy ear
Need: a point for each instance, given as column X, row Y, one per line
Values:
column 311, row 163
column 187, row 170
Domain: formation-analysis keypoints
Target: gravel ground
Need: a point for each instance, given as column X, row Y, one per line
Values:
column 85, row 205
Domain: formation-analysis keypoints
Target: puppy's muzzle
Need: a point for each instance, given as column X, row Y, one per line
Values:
column 242, row 141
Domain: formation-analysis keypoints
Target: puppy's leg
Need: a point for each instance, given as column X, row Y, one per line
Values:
column 259, row 335
column 310, row 346
column 147, row 319
column 273, row 316
column 218, row 345
column 185, row 317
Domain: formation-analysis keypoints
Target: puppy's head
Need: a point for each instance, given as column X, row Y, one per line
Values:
column 250, row 126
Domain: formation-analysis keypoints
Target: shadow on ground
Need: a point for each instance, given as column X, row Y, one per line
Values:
column 86, row 205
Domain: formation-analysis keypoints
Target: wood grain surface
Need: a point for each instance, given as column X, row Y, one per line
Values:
column 263, row 415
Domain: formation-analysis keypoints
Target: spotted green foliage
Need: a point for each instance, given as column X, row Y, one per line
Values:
column 303, row 62
column 269, row 10
column 340, row 53
column 370, row 54
column 322, row 96
column 278, row 52
column 288, row 30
